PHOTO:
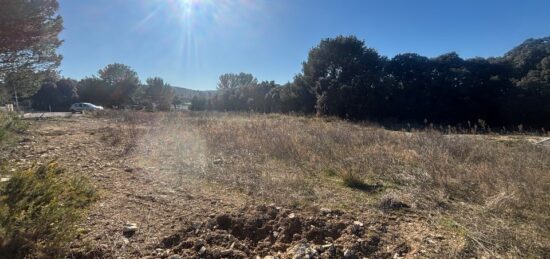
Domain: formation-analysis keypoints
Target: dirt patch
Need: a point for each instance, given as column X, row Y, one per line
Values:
column 275, row 231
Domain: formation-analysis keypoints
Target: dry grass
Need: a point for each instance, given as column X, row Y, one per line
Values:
column 493, row 193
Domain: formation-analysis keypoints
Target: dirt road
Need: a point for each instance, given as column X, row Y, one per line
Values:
column 44, row 115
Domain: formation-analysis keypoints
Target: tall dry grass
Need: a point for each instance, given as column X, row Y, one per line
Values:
column 494, row 193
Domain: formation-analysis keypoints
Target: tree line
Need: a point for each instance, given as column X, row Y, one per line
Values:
column 343, row 77
column 116, row 85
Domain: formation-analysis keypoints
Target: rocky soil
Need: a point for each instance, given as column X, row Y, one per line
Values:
column 146, row 213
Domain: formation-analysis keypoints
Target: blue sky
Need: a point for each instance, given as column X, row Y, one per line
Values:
column 190, row 43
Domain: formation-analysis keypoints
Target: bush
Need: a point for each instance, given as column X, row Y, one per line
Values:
column 39, row 208
column 10, row 124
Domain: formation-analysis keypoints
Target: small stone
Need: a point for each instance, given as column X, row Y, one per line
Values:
column 129, row 229
column 291, row 215
column 202, row 250
column 218, row 161
column 4, row 179
column 327, row 246
column 348, row 253
column 358, row 223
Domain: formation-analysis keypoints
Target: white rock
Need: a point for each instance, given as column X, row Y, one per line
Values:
column 202, row 251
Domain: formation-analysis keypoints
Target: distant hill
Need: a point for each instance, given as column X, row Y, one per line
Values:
column 188, row 94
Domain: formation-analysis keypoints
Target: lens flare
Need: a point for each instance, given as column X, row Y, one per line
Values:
column 186, row 23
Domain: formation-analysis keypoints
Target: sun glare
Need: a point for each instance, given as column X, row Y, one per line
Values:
column 185, row 23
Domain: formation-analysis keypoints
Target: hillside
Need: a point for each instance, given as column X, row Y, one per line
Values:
column 188, row 94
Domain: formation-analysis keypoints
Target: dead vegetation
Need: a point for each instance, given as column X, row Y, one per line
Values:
column 433, row 194
column 495, row 191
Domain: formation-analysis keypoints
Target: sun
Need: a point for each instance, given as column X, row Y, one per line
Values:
column 186, row 24
column 188, row 7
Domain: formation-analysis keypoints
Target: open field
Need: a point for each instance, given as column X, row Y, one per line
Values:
column 244, row 185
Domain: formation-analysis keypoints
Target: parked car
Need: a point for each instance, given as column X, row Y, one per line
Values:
column 81, row 107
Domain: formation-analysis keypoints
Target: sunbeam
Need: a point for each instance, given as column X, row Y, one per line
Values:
column 186, row 22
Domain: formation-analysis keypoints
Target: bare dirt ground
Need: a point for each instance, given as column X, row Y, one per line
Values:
column 174, row 216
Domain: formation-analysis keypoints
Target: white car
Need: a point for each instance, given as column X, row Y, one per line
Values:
column 81, row 107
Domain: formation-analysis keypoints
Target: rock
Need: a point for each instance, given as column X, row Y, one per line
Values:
column 202, row 250
column 218, row 161
column 358, row 223
column 129, row 229
column 291, row 215
column 4, row 179
column 303, row 250
column 349, row 254
column 327, row 246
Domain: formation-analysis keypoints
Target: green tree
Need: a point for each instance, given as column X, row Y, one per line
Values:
column 56, row 96
column 159, row 93
column 229, row 81
column 342, row 72
column 122, row 82
column 198, row 103
column 94, row 90
column 29, row 39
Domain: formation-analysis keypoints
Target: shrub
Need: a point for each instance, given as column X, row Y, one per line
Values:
column 39, row 208
column 10, row 124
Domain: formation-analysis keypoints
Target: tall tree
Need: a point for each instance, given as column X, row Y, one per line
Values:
column 94, row 90
column 56, row 96
column 228, row 81
column 29, row 33
column 342, row 72
column 160, row 93
column 122, row 82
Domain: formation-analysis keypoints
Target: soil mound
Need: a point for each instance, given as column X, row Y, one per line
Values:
column 275, row 232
